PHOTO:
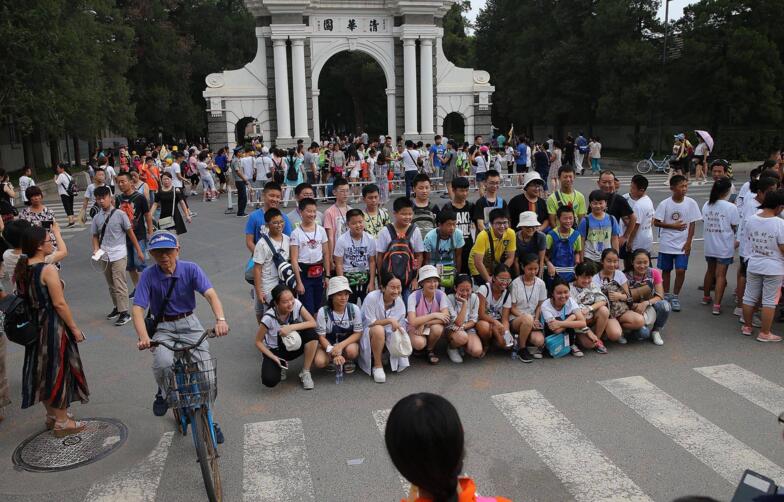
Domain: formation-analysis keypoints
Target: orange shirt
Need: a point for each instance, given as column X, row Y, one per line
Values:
column 150, row 175
column 467, row 493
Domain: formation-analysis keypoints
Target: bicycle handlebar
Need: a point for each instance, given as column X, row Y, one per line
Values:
column 210, row 333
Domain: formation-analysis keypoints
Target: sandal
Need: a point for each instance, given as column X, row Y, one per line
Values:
column 432, row 358
column 61, row 429
column 51, row 419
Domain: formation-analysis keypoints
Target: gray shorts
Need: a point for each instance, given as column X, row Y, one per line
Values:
column 449, row 175
column 766, row 286
column 186, row 330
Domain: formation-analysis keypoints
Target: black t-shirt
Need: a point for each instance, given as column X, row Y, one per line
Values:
column 482, row 208
column 520, row 203
column 135, row 207
column 464, row 220
column 619, row 207
column 537, row 243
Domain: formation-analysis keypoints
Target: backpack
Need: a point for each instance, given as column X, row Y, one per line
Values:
column 424, row 218
column 17, row 320
column 440, row 295
column 127, row 206
column 562, row 253
column 292, row 173
column 398, row 259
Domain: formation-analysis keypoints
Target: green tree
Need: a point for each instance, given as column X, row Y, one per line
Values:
column 458, row 46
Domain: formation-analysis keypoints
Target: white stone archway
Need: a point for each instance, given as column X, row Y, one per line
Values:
column 298, row 37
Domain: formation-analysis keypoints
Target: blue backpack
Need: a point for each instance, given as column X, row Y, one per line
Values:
column 562, row 253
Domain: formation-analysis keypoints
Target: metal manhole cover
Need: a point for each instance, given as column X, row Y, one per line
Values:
column 42, row 452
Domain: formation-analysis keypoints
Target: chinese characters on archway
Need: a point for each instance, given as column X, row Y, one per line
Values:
column 352, row 24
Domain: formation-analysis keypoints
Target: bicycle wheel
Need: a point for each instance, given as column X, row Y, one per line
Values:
column 208, row 455
column 644, row 166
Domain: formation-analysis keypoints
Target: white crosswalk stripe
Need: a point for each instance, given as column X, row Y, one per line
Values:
column 764, row 393
column 275, row 462
column 713, row 446
column 139, row 483
column 585, row 471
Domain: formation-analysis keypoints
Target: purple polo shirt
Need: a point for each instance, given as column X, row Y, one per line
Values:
column 153, row 285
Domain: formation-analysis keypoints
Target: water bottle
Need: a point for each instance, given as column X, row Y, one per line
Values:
column 515, row 348
column 338, row 374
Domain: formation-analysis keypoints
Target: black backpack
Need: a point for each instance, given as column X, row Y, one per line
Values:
column 292, row 173
column 18, row 320
column 398, row 259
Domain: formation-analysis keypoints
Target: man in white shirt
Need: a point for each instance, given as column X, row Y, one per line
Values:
column 410, row 157
column 641, row 236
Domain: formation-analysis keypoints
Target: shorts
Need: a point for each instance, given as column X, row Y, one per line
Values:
column 208, row 183
column 667, row 262
column 480, row 177
column 521, row 168
column 720, row 261
column 133, row 260
column 768, row 287
column 449, row 175
column 257, row 184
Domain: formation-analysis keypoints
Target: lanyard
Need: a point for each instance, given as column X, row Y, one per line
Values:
column 525, row 292
column 428, row 307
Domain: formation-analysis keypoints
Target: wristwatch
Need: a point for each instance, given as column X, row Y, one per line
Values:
column 329, row 349
column 220, row 319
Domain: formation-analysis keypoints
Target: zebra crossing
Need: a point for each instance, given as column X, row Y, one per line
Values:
column 62, row 220
column 276, row 454
column 658, row 186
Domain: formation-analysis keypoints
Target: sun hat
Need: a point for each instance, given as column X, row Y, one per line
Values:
column 530, row 177
column 337, row 284
column 162, row 240
column 528, row 219
column 427, row 272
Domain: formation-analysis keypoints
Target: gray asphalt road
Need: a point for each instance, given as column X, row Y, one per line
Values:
column 643, row 422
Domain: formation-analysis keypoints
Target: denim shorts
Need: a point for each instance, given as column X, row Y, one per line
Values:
column 720, row 261
column 668, row 261
column 133, row 260
column 481, row 176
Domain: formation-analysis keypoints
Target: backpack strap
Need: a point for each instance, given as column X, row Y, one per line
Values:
column 410, row 230
column 492, row 246
column 573, row 238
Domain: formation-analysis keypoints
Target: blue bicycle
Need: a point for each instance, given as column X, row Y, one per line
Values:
column 193, row 386
column 646, row 165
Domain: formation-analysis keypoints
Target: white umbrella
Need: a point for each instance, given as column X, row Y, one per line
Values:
column 707, row 138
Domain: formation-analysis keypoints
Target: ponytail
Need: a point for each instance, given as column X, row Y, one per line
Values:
column 719, row 190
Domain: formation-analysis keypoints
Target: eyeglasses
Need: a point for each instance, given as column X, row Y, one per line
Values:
column 501, row 223
column 494, row 183
column 504, row 281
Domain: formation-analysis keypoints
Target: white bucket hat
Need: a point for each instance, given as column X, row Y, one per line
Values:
column 337, row 284
column 427, row 272
column 531, row 176
column 528, row 219
column 292, row 341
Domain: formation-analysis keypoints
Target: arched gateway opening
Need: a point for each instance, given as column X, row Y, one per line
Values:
column 454, row 127
column 352, row 96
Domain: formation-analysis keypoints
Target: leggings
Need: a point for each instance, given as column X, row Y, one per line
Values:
column 68, row 201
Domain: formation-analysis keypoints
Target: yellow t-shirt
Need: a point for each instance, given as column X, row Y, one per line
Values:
column 507, row 243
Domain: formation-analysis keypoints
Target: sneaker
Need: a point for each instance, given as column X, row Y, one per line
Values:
column 716, row 309
column 218, row 433
column 132, row 294
column 622, row 340
column 600, row 348
column 454, row 355
column 656, row 337
column 350, row 367
column 643, row 333
column 122, row 319
column 706, row 300
column 379, row 376
column 738, row 312
column 524, row 356
column 576, row 352
column 768, row 337
column 675, row 303
column 159, row 406
column 536, row 352
column 282, row 374
column 112, row 314
column 330, row 367
column 194, row 214
column 243, row 215
column 746, row 331
column 307, row 380
column 755, row 320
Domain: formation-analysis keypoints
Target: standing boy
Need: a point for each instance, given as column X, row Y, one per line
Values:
column 676, row 217
column 444, row 248
column 376, row 217
column 599, row 230
column 489, row 201
column 355, row 256
column 640, row 237
column 335, row 216
column 424, row 211
column 564, row 246
column 137, row 209
column 464, row 211
column 566, row 196
column 404, row 236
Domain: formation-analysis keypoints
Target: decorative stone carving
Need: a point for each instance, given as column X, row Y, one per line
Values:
column 215, row 80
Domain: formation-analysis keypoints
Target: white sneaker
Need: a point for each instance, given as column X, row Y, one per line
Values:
column 454, row 355
column 738, row 312
column 307, row 380
column 379, row 376
column 656, row 337
column 756, row 321
column 622, row 340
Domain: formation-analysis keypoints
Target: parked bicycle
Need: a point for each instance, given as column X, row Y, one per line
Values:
column 647, row 165
column 192, row 388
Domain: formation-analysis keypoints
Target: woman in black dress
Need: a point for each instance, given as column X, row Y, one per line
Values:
column 170, row 200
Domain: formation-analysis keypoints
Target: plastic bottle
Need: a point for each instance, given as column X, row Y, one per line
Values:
column 515, row 348
column 338, row 374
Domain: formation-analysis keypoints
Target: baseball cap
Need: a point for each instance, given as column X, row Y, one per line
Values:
column 162, row 240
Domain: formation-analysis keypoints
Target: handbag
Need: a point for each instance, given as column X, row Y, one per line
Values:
column 617, row 308
column 151, row 322
column 168, row 222
column 400, row 344
column 18, row 320
column 558, row 345
column 285, row 270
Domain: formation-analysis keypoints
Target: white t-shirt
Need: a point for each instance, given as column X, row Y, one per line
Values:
column 309, row 244
column 618, row 277
column 110, row 174
column 203, row 171
column 373, row 309
column 175, row 170
column 89, row 193
column 750, row 208
column 596, row 149
column 701, row 149
column 481, row 163
column 718, row 220
column 260, row 167
column 246, row 164
column 324, row 323
column 672, row 241
column 383, row 239
column 472, row 312
column 549, row 312
column 527, row 298
column 409, row 159
column 63, row 180
column 765, row 235
column 25, row 182
column 495, row 306
column 643, row 209
column 273, row 325
column 355, row 253
column 743, row 193
column 262, row 255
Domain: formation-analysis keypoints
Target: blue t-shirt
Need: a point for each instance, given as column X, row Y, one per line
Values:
column 597, row 234
column 438, row 150
column 154, row 284
column 256, row 223
column 442, row 251
column 522, row 154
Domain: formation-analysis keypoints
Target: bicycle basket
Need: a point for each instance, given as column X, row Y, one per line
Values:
column 196, row 385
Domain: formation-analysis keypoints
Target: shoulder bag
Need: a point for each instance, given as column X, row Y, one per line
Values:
column 151, row 322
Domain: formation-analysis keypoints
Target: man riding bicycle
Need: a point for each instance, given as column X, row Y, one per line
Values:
column 174, row 318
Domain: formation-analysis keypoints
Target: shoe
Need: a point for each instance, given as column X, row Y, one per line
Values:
column 307, row 380
column 194, row 193
column 454, row 355
column 61, row 429
column 350, row 367
column 656, row 337
column 218, row 433
column 576, row 352
column 112, row 314
column 70, row 225
column 738, row 312
column 159, row 406
column 746, row 331
column 536, row 352
column 716, row 309
column 379, row 376
column 643, row 333
column 243, row 215
column 675, row 303
column 194, row 214
column 282, row 374
column 622, row 340
column 600, row 348
column 706, row 300
column 133, row 293
column 330, row 367
column 122, row 319
column 768, row 337
column 755, row 320
column 524, row 356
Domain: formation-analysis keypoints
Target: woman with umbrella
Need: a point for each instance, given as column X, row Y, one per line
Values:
column 701, row 153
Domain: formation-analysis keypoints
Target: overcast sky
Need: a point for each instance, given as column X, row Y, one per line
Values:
column 676, row 8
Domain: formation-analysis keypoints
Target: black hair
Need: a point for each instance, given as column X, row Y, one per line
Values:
column 497, row 213
column 13, row 232
column 30, row 240
column 598, row 195
column 445, row 215
column 401, row 203
column 278, row 291
column 492, row 173
column 271, row 185
column 607, row 252
column 566, row 168
column 719, row 189
column 677, row 180
column 500, row 268
column 584, row 268
column 640, row 181
column 637, row 252
column 369, row 189
column 101, row 191
column 563, row 209
column 461, row 278
column 425, row 441
column 354, row 212
column 127, row 174
column 302, row 186
column 558, row 281
column 33, row 191
column 386, row 278
column 460, row 182
column 530, row 258
column 773, row 199
column 339, row 181
column 607, row 171
column 761, row 184
column 420, row 178
column 202, row 155
column 167, row 174
column 270, row 213
column 307, row 201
